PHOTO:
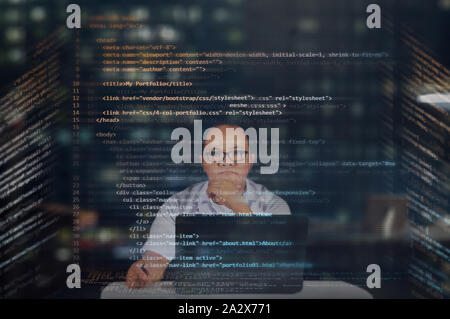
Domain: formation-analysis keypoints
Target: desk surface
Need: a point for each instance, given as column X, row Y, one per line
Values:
column 311, row 290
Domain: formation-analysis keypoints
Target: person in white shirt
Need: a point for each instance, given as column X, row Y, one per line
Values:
column 227, row 191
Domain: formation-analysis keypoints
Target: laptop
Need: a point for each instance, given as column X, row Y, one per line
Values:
column 239, row 254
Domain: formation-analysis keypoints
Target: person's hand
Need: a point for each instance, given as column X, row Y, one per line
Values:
column 146, row 271
column 229, row 194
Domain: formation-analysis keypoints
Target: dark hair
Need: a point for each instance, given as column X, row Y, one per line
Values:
column 225, row 124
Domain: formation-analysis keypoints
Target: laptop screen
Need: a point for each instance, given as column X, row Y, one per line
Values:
column 239, row 254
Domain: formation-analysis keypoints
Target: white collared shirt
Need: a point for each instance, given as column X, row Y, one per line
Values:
column 194, row 201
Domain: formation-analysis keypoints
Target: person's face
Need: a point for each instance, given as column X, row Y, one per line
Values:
column 228, row 169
